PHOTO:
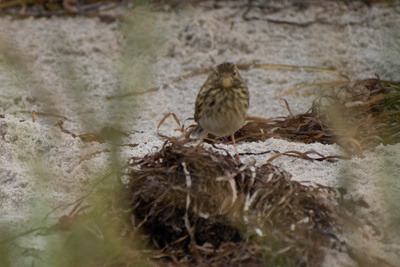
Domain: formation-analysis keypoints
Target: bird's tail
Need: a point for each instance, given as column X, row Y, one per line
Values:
column 195, row 132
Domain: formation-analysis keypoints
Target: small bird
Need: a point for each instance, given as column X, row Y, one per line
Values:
column 222, row 103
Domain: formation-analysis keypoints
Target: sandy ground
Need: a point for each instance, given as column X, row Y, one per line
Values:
column 69, row 66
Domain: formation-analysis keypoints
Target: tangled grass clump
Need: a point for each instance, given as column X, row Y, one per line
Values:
column 357, row 116
column 202, row 207
column 363, row 114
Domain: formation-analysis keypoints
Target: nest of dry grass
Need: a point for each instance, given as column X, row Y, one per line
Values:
column 202, row 207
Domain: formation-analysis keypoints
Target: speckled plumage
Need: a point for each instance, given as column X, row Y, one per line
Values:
column 222, row 103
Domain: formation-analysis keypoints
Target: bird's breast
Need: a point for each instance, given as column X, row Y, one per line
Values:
column 223, row 112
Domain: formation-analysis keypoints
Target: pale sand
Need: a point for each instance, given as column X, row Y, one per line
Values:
column 68, row 66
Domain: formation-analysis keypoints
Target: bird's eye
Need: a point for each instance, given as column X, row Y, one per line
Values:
column 234, row 73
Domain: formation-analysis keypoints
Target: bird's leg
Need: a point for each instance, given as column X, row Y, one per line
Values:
column 201, row 140
column 234, row 145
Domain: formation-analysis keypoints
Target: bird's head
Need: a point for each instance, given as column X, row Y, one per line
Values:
column 226, row 75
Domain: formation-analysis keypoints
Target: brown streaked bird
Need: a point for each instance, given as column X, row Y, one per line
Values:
column 222, row 103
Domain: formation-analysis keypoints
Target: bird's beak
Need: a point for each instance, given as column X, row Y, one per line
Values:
column 226, row 81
